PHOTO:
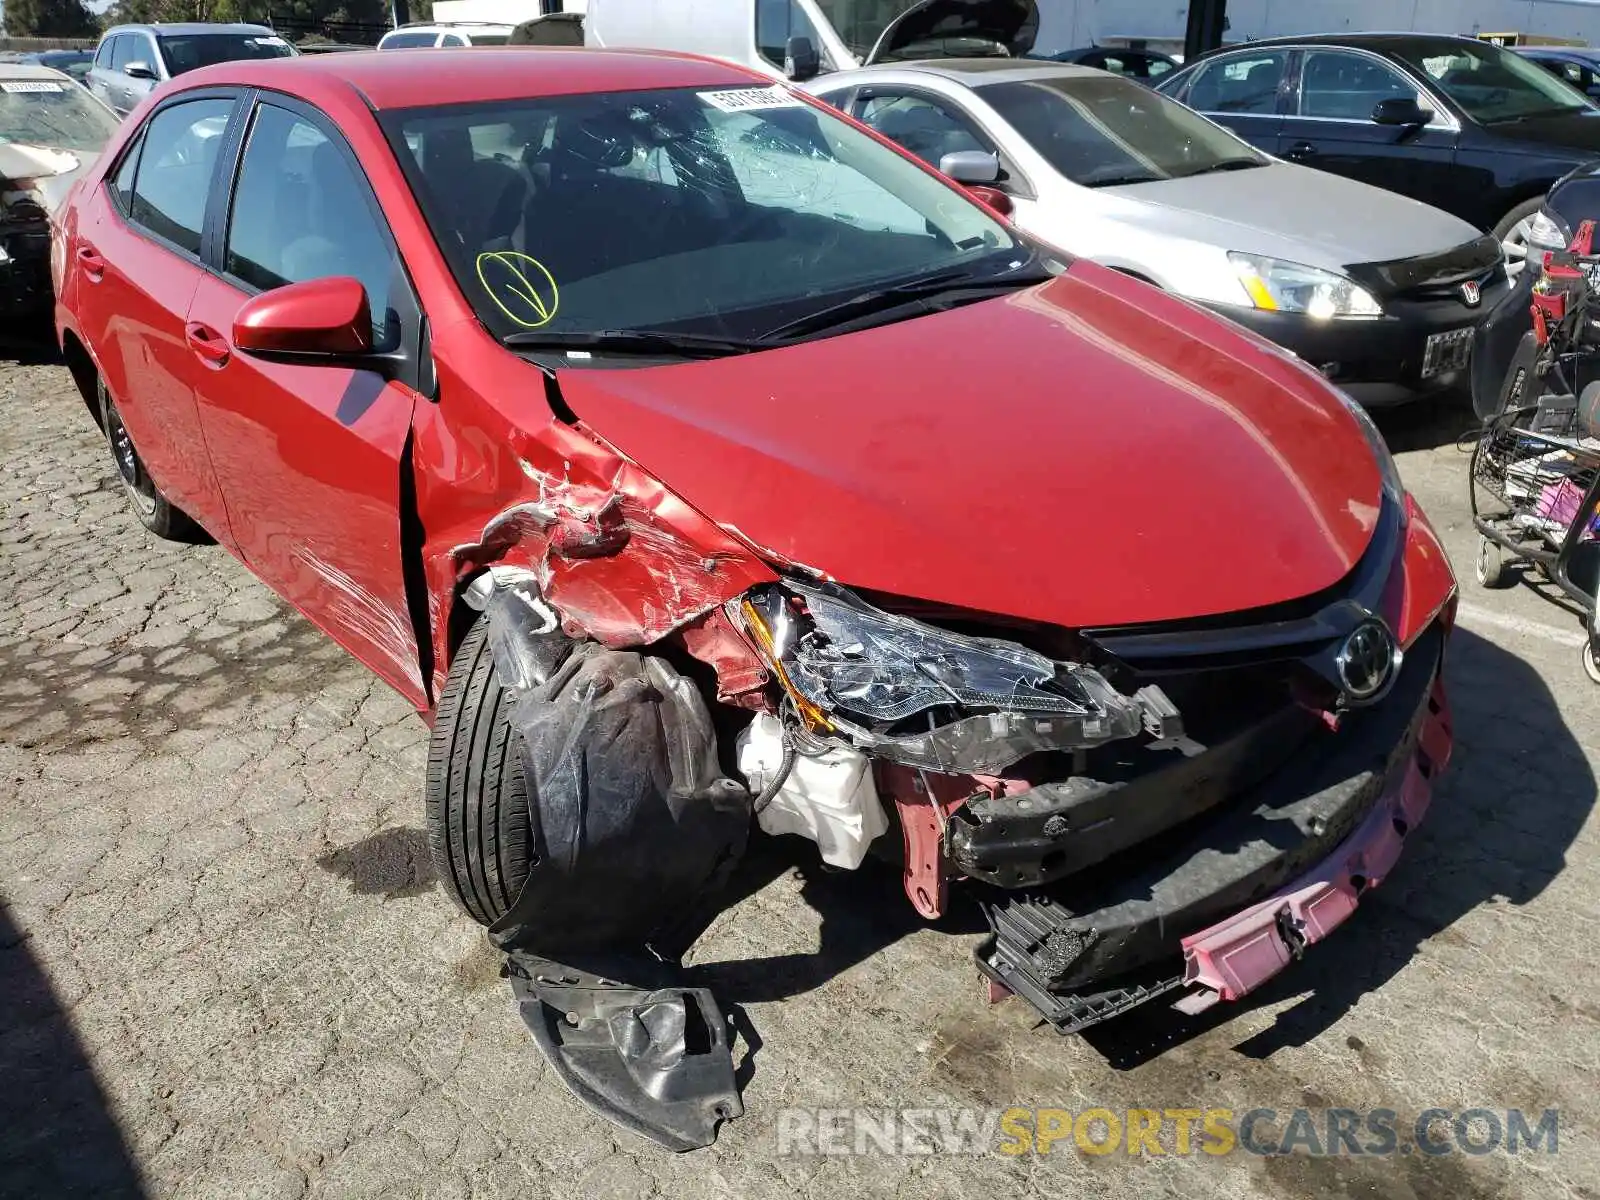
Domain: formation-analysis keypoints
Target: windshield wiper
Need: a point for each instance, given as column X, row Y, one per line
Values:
column 1123, row 180
column 1225, row 164
column 632, row 341
column 949, row 286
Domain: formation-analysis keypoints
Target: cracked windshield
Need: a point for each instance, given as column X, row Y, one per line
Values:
column 727, row 212
column 45, row 113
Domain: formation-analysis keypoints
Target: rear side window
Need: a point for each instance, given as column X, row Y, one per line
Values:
column 300, row 212
column 453, row 39
column 175, row 169
column 408, row 41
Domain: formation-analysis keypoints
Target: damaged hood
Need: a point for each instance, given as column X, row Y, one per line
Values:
column 39, row 175
column 1010, row 23
column 1089, row 452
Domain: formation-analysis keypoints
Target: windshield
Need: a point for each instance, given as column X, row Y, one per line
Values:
column 859, row 23
column 42, row 112
column 725, row 212
column 1491, row 84
column 190, row 51
column 1099, row 132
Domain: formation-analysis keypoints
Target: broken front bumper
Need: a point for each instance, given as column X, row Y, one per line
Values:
column 1224, row 903
column 25, row 292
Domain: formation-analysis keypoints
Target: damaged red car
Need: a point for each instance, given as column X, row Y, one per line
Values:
column 699, row 463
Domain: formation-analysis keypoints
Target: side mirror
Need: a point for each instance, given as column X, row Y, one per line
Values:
column 321, row 320
column 800, row 59
column 139, row 70
column 992, row 197
column 970, row 166
column 1401, row 110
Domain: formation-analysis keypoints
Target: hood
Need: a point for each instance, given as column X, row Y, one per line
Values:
column 38, row 177
column 1296, row 213
column 1010, row 23
column 1578, row 132
column 1089, row 452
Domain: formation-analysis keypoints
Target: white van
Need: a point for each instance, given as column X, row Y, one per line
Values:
column 797, row 39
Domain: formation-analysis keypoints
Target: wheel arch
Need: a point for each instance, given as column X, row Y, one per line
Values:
column 84, row 374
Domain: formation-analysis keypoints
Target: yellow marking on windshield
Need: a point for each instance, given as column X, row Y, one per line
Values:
column 522, row 286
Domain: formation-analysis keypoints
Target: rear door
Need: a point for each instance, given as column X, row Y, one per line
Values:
column 1244, row 91
column 310, row 457
column 138, row 261
column 1330, row 127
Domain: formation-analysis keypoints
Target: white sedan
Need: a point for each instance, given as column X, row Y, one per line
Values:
column 1380, row 292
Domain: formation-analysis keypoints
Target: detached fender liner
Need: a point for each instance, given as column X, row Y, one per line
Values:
column 1122, row 921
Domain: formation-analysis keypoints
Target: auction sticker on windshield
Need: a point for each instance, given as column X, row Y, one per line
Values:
column 30, row 85
column 747, row 99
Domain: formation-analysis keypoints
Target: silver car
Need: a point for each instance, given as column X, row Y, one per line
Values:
column 1380, row 292
column 132, row 60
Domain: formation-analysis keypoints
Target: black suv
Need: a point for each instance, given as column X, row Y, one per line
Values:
column 1458, row 123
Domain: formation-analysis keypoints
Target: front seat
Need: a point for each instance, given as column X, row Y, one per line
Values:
column 481, row 197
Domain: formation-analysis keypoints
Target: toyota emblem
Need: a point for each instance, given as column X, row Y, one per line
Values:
column 1471, row 293
column 1368, row 662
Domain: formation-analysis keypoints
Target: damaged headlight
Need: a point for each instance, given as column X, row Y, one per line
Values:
column 867, row 674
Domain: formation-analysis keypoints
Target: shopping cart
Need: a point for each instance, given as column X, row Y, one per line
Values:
column 1536, row 466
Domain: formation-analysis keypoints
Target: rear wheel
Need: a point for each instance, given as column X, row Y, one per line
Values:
column 158, row 514
column 1591, row 668
column 477, row 802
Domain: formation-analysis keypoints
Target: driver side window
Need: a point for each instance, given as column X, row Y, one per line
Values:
column 776, row 22
column 300, row 212
column 921, row 125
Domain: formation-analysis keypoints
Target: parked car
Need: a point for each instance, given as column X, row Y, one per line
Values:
column 1147, row 66
column 51, row 131
column 490, row 366
column 447, row 33
column 1379, row 291
column 1577, row 65
column 75, row 63
column 799, row 39
column 132, row 60
column 1458, row 123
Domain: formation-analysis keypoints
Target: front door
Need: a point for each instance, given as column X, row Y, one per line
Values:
column 309, row 457
column 1242, row 91
column 1330, row 127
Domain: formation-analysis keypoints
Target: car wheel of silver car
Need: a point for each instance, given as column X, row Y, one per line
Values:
column 1512, row 234
column 479, row 828
column 158, row 514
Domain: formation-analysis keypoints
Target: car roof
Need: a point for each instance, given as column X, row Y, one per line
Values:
column 462, row 75
column 974, row 72
column 19, row 71
column 1360, row 41
column 186, row 28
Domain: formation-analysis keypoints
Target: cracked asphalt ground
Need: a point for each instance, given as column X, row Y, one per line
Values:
column 225, row 969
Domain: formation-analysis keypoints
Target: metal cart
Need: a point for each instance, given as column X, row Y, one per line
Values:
column 1535, row 480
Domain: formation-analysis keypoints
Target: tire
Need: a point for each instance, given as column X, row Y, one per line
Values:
column 479, row 830
column 1491, row 565
column 1590, row 667
column 1512, row 234
column 155, row 512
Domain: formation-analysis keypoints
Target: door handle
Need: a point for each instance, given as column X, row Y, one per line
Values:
column 1301, row 150
column 94, row 267
column 206, row 343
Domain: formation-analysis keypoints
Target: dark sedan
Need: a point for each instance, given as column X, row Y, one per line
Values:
column 1145, row 66
column 1578, row 65
column 1458, row 123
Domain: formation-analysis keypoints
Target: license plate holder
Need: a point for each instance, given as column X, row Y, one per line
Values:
column 1445, row 352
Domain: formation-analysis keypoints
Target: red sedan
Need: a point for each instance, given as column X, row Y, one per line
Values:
column 694, row 460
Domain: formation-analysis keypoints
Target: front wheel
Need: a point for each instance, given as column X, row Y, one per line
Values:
column 1512, row 234
column 1491, row 566
column 158, row 514
column 1591, row 668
